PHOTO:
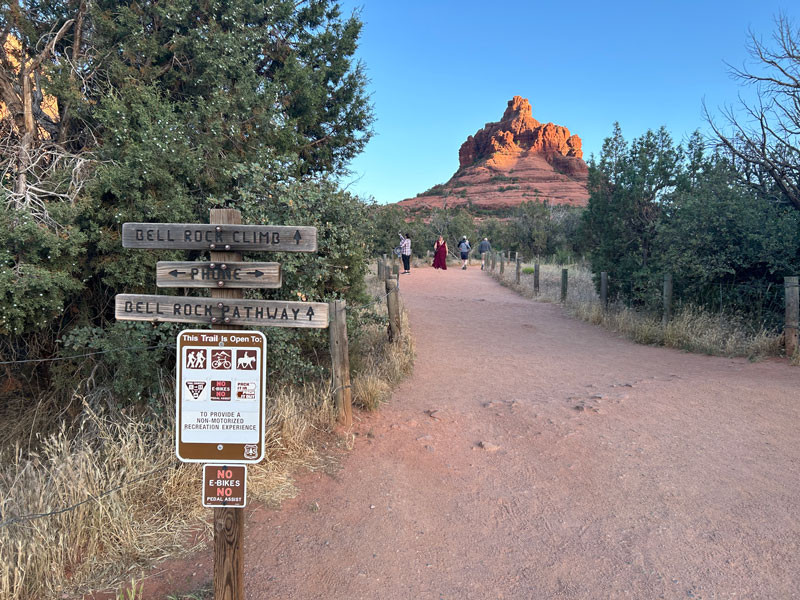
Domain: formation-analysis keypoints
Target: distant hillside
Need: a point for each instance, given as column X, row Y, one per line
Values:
column 512, row 161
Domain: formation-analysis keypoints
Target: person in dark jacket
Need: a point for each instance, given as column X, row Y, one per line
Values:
column 464, row 248
column 483, row 248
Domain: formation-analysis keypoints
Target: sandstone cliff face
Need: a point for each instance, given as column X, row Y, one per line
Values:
column 514, row 160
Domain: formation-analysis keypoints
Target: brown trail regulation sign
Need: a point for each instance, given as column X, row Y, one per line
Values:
column 186, row 309
column 224, row 486
column 220, row 274
column 220, row 408
column 221, row 238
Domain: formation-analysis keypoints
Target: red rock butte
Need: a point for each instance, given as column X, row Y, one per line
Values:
column 516, row 160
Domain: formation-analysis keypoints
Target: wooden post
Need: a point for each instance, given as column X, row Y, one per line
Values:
column 340, row 362
column 380, row 269
column 790, row 328
column 228, row 522
column 667, row 299
column 393, row 306
column 494, row 260
column 502, row 262
column 395, row 268
column 563, row 285
column 519, row 267
column 536, row 279
column 604, row 289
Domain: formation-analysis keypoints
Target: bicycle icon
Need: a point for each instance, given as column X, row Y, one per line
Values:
column 221, row 359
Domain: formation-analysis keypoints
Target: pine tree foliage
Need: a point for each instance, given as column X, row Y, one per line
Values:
column 174, row 107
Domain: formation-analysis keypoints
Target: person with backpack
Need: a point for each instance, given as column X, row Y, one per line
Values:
column 464, row 248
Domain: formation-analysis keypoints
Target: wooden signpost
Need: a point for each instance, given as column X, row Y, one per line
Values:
column 209, row 274
column 219, row 237
column 220, row 381
column 218, row 311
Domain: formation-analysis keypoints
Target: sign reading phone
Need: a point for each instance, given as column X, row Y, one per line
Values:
column 220, row 396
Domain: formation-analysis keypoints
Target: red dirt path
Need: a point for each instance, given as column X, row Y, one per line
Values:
column 561, row 462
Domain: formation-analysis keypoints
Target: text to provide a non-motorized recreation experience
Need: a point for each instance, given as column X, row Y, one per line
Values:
column 225, row 486
column 220, row 403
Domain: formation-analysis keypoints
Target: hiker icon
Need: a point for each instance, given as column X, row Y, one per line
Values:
column 196, row 359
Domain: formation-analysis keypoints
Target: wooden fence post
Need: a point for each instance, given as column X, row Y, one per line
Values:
column 502, row 262
column 604, row 289
column 519, row 267
column 393, row 307
column 494, row 260
column 228, row 522
column 340, row 362
column 380, row 270
column 563, row 285
column 667, row 299
column 790, row 327
column 536, row 279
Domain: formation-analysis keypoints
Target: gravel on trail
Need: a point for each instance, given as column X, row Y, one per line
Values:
column 531, row 455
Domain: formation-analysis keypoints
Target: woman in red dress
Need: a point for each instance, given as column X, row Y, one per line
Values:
column 440, row 254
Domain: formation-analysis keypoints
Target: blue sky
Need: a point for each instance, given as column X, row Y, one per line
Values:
column 440, row 70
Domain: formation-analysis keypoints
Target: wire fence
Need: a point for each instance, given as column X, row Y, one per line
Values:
column 18, row 519
column 747, row 298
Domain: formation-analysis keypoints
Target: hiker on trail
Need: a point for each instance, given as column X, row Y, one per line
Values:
column 464, row 248
column 483, row 248
column 440, row 254
column 405, row 249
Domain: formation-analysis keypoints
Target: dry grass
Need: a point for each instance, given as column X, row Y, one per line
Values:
column 110, row 539
column 691, row 329
column 378, row 365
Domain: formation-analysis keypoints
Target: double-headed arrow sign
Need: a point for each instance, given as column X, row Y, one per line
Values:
column 218, row 275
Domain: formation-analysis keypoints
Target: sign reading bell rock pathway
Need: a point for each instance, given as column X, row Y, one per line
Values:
column 220, row 396
column 188, row 309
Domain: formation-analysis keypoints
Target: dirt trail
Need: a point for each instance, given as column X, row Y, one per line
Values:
column 560, row 462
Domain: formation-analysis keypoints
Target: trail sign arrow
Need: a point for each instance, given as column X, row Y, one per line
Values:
column 223, row 311
column 218, row 274
column 219, row 238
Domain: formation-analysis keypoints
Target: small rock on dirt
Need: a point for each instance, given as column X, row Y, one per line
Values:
column 489, row 446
